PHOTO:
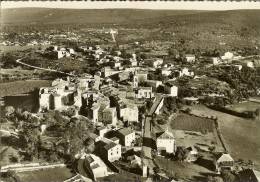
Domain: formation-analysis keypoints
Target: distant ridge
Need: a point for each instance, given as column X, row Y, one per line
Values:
column 83, row 16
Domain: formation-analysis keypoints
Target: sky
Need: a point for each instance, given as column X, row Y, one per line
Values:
column 182, row 5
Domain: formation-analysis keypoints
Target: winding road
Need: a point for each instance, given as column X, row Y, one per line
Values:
column 45, row 69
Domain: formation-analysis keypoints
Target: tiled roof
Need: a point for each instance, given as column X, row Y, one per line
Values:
column 225, row 157
column 110, row 145
column 125, row 131
column 165, row 135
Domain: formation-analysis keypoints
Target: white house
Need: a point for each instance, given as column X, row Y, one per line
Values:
column 215, row 60
column 94, row 113
column 126, row 136
column 185, row 72
column 116, row 64
column 190, row 58
column 44, row 99
column 157, row 63
column 133, row 62
column 238, row 66
column 129, row 113
column 62, row 52
column 144, row 92
column 250, row 64
column 171, row 90
column 95, row 166
column 227, row 56
column 224, row 161
column 112, row 151
column 165, row 142
column 166, row 71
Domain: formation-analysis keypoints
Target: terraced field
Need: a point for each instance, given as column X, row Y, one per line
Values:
column 192, row 123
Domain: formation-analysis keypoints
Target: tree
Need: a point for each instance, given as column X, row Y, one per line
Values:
column 228, row 176
column 9, row 174
column 161, row 121
column 156, row 170
column 188, row 110
column 53, row 157
column 90, row 145
column 257, row 112
column 181, row 153
column 9, row 110
column 160, row 89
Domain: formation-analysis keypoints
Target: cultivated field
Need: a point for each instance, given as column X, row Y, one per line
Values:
column 183, row 170
column 241, row 136
column 192, row 123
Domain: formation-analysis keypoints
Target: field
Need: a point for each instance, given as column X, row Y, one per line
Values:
column 183, row 170
column 19, row 87
column 58, row 174
column 241, row 136
column 6, row 153
column 245, row 106
column 192, row 123
column 191, row 130
column 19, row 48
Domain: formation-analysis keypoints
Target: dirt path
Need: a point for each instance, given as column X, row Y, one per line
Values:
column 45, row 69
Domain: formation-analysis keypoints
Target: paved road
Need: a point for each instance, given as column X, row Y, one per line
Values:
column 148, row 142
column 45, row 69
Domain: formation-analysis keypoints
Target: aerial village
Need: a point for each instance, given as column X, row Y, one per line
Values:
column 125, row 115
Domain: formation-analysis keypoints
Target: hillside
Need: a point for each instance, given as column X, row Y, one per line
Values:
column 225, row 30
column 83, row 16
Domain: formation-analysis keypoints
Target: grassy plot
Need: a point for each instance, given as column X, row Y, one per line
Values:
column 190, row 130
column 57, row 174
column 18, row 87
column 245, row 106
column 183, row 170
column 241, row 136
column 122, row 176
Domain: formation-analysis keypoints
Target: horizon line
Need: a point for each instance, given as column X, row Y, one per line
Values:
column 139, row 5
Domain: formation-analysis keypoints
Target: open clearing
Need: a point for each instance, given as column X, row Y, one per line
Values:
column 18, row 87
column 57, row 174
column 241, row 136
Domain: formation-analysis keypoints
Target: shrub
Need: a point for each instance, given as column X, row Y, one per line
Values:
column 162, row 121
